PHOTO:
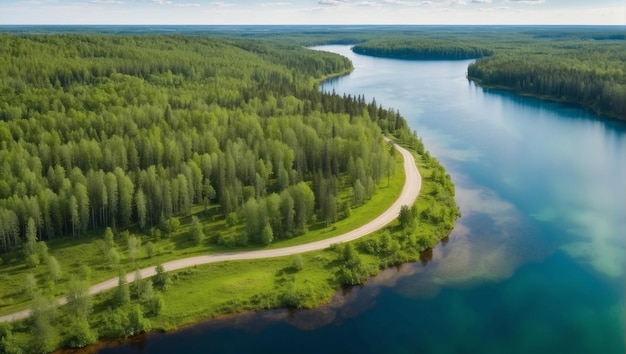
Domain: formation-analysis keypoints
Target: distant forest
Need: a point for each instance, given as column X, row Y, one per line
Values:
column 581, row 66
column 107, row 131
column 421, row 49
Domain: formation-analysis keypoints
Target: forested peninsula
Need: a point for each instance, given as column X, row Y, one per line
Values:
column 120, row 152
column 421, row 49
column 580, row 66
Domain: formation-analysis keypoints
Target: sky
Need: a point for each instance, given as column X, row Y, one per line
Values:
column 219, row 12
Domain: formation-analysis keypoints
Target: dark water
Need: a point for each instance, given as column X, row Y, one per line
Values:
column 535, row 265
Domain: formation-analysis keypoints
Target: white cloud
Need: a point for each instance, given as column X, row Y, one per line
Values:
column 401, row 3
column 529, row 2
column 331, row 2
column 313, row 9
column 187, row 5
column 481, row 1
column 221, row 4
column 368, row 4
column 273, row 4
column 108, row 2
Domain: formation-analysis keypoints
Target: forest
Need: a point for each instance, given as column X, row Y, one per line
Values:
column 584, row 67
column 420, row 49
column 103, row 131
column 124, row 151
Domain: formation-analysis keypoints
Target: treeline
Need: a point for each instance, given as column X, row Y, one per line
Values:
column 581, row 66
column 421, row 49
column 597, row 82
column 100, row 131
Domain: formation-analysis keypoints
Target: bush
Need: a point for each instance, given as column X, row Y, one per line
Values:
column 8, row 344
column 136, row 322
column 124, row 322
column 154, row 305
column 150, row 251
column 32, row 261
column 242, row 238
column 161, row 279
column 80, row 333
column 295, row 297
column 296, row 263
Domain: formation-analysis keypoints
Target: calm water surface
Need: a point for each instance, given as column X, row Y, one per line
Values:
column 535, row 265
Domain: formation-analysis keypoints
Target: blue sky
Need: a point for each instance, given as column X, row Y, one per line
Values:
column 313, row 12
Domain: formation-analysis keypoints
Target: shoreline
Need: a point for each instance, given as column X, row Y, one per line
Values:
column 210, row 317
column 478, row 83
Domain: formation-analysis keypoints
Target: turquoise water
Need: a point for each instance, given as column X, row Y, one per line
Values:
column 535, row 265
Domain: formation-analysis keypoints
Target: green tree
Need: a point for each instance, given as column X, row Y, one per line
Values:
column 145, row 291
column 84, row 272
column 126, row 190
column 136, row 321
column 359, row 193
column 161, row 279
column 304, row 204
column 44, row 336
column 150, row 251
column 109, row 241
column 75, row 216
column 54, row 268
column 32, row 261
column 405, row 217
column 79, row 301
column 122, row 294
column 30, row 284
column 297, row 263
column 42, row 250
column 113, row 258
column 267, row 235
column 80, row 333
column 30, row 247
column 140, row 201
column 197, row 234
column 154, row 305
column 82, row 200
column 8, row 344
column 134, row 244
column 353, row 270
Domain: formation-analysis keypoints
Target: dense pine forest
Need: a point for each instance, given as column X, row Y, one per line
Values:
column 103, row 131
column 594, row 78
column 581, row 66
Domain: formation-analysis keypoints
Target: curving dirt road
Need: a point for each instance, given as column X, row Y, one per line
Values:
column 410, row 191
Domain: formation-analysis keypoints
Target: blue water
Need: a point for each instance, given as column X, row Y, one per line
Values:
column 534, row 265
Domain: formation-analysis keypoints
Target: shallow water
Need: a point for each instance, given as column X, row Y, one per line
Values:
column 535, row 264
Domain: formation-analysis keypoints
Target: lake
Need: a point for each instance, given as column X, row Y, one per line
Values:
column 534, row 265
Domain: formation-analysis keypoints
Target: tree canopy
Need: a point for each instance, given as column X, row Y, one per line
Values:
column 108, row 131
